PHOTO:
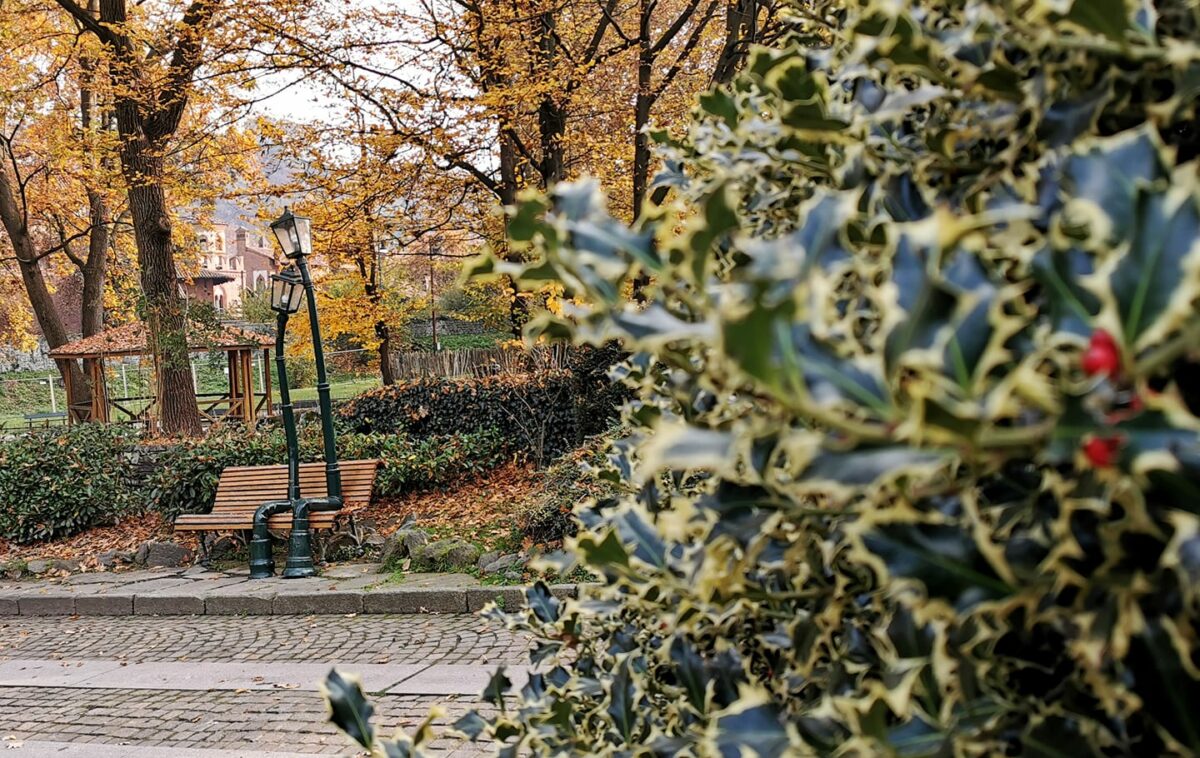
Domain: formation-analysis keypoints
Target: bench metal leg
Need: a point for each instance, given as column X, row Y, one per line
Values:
column 205, row 555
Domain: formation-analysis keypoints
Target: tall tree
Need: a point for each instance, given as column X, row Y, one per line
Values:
column 54, row 143
column 149, row 98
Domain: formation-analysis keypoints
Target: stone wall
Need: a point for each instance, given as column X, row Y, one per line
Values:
column 12, row 359
column 446, row 325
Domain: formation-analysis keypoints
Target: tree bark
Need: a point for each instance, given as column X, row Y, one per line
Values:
column 48, row 318
column 144, row 125
column 386, row 372
column 642, row 105
column 165, row 309
column 552, row 116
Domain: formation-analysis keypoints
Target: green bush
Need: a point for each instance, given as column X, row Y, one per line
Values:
column 598, row 398
column 915, row 467
column 567, row 483
column 185, row 478
column 55, row 484
column 413, row 464
column 535, row 411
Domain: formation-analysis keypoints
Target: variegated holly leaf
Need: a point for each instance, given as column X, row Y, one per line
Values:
column 349, row 709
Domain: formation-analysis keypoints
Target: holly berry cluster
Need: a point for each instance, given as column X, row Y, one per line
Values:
column 1102, row 358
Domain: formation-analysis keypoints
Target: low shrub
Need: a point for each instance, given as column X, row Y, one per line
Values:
column 55, row 484
column 413, row 463
column 565, row 485
column 598, row 398
column 185, row 478
column 536, row 411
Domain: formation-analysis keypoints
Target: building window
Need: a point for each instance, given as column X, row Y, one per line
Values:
column 219, row 301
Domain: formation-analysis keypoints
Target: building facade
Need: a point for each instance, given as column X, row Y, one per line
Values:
column 233, row 260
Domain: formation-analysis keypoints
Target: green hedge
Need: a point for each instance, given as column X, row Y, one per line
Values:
column 536, row 412
column 55, row 484
column 185, row 478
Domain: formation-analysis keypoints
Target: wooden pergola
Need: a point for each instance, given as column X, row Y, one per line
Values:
column 239, row 401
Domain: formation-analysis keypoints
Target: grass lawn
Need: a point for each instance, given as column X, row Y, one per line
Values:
column 337, row 390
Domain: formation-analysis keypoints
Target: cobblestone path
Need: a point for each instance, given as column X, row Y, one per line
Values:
column 46, row 715
column 450, row 638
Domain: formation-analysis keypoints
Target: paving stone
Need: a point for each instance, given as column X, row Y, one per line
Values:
column 168, row 605
column 437, row 581
column 415, row 601
column 563, row 591
column 93, row 578
column 8, row 606
column 349, row 571
column 238, row 604
column 46, row 605
column 317, row 602
column 104, row 605
column 513, row 597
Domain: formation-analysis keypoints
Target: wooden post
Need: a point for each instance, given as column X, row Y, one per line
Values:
column 247, row 372
column 70, row 397
column 232, row 370
column 99, row 396
column 267, row 379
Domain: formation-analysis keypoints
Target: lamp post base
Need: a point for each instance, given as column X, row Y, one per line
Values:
column 261, row 564
column 299, row 561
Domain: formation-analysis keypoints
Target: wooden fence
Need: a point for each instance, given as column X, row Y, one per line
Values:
column 479, row 361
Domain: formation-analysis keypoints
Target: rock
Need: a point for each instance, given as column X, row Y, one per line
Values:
column 223, row 547
column 375, row 540
column 503, row 563
column 37, row 568
column 107, row 559
column 488, row 559
column 391, row 552
column 513, row 576
column 162, row 555
column 68, row 565
column 449, row 554
column 414, row 540
column 13, row 569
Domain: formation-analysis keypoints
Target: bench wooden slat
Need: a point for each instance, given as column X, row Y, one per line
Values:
column 242, row 489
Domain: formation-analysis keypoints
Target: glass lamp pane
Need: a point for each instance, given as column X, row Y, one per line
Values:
column 284, row 233
column 295, row 297
column 303, row 234
column 278, row 286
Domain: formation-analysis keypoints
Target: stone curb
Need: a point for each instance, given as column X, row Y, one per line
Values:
column 179, row 603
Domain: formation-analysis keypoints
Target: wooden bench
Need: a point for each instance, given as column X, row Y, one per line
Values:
column 242, row 489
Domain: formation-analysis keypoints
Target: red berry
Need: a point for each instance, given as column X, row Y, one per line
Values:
column 1101, row 452
column 1101, row 357
column 1102, row 337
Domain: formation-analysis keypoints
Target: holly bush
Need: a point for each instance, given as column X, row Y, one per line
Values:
column 913, row 467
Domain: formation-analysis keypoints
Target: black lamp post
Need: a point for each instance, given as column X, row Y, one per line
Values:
column 286, row 295
column 288, row 289
column 295, row 238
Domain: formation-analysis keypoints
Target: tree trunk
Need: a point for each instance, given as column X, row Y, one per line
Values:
column 518, row 309
column 95, row 265
column 48, row 318
column 552, row 117
column 385, row 353
column 642, row 105
column 143, row 138
column 165, row 309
